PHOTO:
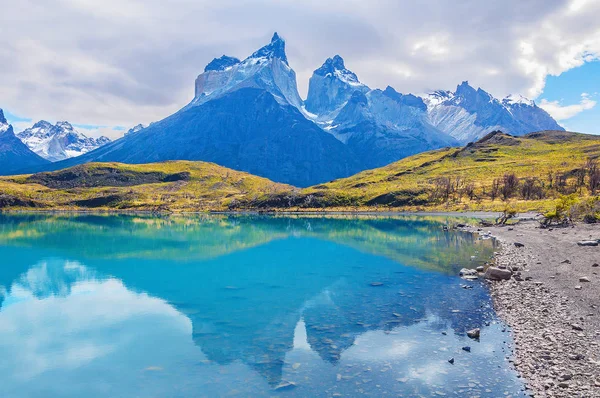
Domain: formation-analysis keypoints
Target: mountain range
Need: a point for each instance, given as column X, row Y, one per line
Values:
column 58, row 142
column 247, row 115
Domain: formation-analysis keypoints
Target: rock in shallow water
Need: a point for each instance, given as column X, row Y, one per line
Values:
column 474, row 333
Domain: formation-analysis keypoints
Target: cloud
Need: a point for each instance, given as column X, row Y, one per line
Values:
column 120, row 63
column 563, row 112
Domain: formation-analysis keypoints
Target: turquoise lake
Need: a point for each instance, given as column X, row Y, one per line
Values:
column 245, row 306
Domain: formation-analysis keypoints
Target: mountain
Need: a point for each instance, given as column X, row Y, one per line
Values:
column 58, row 142
column 379, row 127
column 14, row 155
column 245, row 115
column 469, row 114
column 247, row 130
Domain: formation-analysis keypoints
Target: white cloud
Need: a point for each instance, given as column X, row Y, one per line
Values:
column 123, row 62
column 563, row 112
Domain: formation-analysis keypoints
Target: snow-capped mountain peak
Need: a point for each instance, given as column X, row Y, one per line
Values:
column 275, row 49
column 3, row 122
column 517, row 99
column 58, row 142
column 469, row 114
column 335, row 68
column 267, row 69
column 330, row 87
column 135, row 129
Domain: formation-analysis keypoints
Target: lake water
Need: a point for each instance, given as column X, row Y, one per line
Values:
column 238, row 306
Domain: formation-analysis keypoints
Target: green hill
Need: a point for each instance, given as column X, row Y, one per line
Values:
column 174, row 186
column 528, row 173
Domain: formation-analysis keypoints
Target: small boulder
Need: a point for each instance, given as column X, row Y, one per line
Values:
column 285, row 385
column 584, row 279
column 497, row 274
column 519, row 244
column 480, row 268
column 467, row 349
column 474, row 333
column 451, row 361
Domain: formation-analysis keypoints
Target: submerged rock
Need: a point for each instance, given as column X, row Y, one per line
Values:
column 285, row 385
column 474, row 333
column 467, row 271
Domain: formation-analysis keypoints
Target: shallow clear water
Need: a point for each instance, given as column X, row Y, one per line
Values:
column 211, row 306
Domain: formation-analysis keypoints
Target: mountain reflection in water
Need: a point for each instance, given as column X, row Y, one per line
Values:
column 325, row 303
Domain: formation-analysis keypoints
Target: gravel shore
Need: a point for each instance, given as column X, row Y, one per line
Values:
column 552, row 304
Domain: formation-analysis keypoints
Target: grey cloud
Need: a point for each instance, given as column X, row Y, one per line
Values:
column 122, row 62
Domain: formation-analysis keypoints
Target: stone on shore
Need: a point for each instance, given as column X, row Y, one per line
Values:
column 588, row 243
column 497, row 274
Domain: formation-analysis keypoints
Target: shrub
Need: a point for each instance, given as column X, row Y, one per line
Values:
column 562, row 212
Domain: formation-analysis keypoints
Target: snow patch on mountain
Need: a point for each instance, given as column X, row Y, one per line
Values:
column 58, row 142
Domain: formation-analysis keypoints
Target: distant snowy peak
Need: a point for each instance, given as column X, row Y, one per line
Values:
column 331, row 87
column 469, row 114
column 135, row 129
column 517, row 100
column 58, row 142
column 335, row 68
column 267, row 69
column 3, row 122
column 275, row 49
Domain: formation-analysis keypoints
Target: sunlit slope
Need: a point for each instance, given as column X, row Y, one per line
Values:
column 539, row 167
column 527, row 173
column 175, row 186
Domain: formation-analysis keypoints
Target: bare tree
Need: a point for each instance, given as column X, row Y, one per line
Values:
column 510, row 182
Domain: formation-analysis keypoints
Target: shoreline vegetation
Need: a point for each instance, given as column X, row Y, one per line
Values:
column 554, row 173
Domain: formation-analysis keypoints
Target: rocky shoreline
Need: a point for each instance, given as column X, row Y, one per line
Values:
column 551, row 301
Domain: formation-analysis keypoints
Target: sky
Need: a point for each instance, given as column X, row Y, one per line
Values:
column 107, row 66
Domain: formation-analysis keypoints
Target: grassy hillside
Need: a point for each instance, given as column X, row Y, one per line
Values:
column 174, row 186
column 528, row 173
column 499, row 171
